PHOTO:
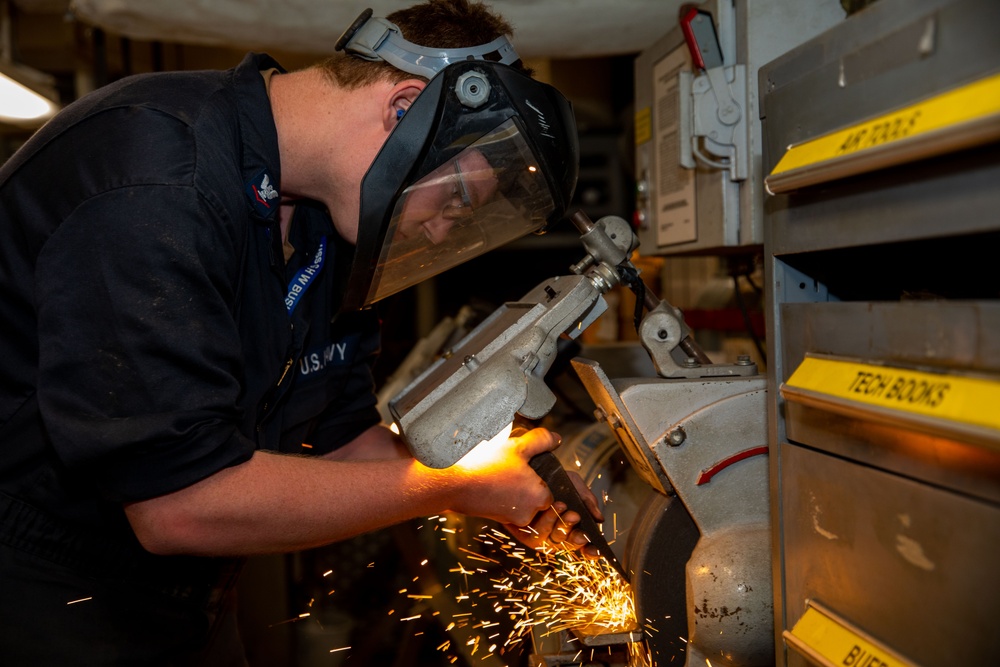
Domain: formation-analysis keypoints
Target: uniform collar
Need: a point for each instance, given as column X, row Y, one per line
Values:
column 261, row 167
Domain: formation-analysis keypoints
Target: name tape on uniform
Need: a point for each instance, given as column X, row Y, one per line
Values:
column 971, row 102
column 957, row 398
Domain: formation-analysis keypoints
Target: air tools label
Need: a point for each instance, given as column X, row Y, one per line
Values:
column 978, row 101
column 960, row 398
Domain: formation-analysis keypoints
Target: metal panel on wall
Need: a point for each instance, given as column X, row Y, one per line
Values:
column 698, row 143
column 880, row 145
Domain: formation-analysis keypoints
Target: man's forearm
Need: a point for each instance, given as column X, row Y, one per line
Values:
column 275, row 503
column 278, row 503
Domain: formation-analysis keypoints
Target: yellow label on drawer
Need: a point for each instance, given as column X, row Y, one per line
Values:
column 839, row 644
column 971, row 102
column 957, row 398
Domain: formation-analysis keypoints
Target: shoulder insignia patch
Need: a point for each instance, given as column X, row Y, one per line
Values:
column 262, row 193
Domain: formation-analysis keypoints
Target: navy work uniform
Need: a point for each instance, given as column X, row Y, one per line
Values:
column 153, row 334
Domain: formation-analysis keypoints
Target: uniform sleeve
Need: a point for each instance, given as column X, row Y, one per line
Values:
column 139, row 355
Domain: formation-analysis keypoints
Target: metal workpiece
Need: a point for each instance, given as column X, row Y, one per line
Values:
column 594, row 452
column 551, row 470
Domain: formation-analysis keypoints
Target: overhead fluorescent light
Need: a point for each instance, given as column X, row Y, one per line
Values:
column 27, row 96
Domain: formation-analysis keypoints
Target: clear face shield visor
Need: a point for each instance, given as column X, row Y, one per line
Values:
column 489, row 194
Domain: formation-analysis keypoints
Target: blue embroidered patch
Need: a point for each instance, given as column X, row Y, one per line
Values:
column 340, row 352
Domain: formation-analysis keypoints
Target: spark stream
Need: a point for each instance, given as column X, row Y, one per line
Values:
column 553, row 589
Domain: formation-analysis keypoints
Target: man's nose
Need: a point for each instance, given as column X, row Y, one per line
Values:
column 437, row 228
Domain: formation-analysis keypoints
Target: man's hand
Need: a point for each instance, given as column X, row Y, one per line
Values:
column 552, row 524
column 499, row 484
column 555, row 525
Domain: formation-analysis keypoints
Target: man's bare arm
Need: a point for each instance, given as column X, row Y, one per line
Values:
column 276, row 503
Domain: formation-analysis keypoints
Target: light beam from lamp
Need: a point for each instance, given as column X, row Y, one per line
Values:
column 27, row 96
column 21, row 103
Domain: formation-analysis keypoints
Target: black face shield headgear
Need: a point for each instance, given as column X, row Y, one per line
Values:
column 483, row 156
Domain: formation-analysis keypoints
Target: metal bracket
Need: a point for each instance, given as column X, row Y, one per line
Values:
column 715, row 120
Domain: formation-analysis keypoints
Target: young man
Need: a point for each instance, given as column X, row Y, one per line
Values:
column 182, row 259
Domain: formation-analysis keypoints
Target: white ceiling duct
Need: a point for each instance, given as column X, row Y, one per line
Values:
column 543, row 28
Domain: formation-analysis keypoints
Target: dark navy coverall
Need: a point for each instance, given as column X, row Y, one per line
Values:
column 153, row 335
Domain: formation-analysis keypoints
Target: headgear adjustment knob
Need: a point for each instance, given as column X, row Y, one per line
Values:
column 472, row 89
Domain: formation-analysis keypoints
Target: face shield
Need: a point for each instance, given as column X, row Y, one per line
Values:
column 492, row 192
column 484, row 156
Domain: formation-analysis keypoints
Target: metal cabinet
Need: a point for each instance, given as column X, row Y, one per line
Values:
column 882, row 231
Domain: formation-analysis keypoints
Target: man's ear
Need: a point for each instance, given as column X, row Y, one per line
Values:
column 399, row 99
